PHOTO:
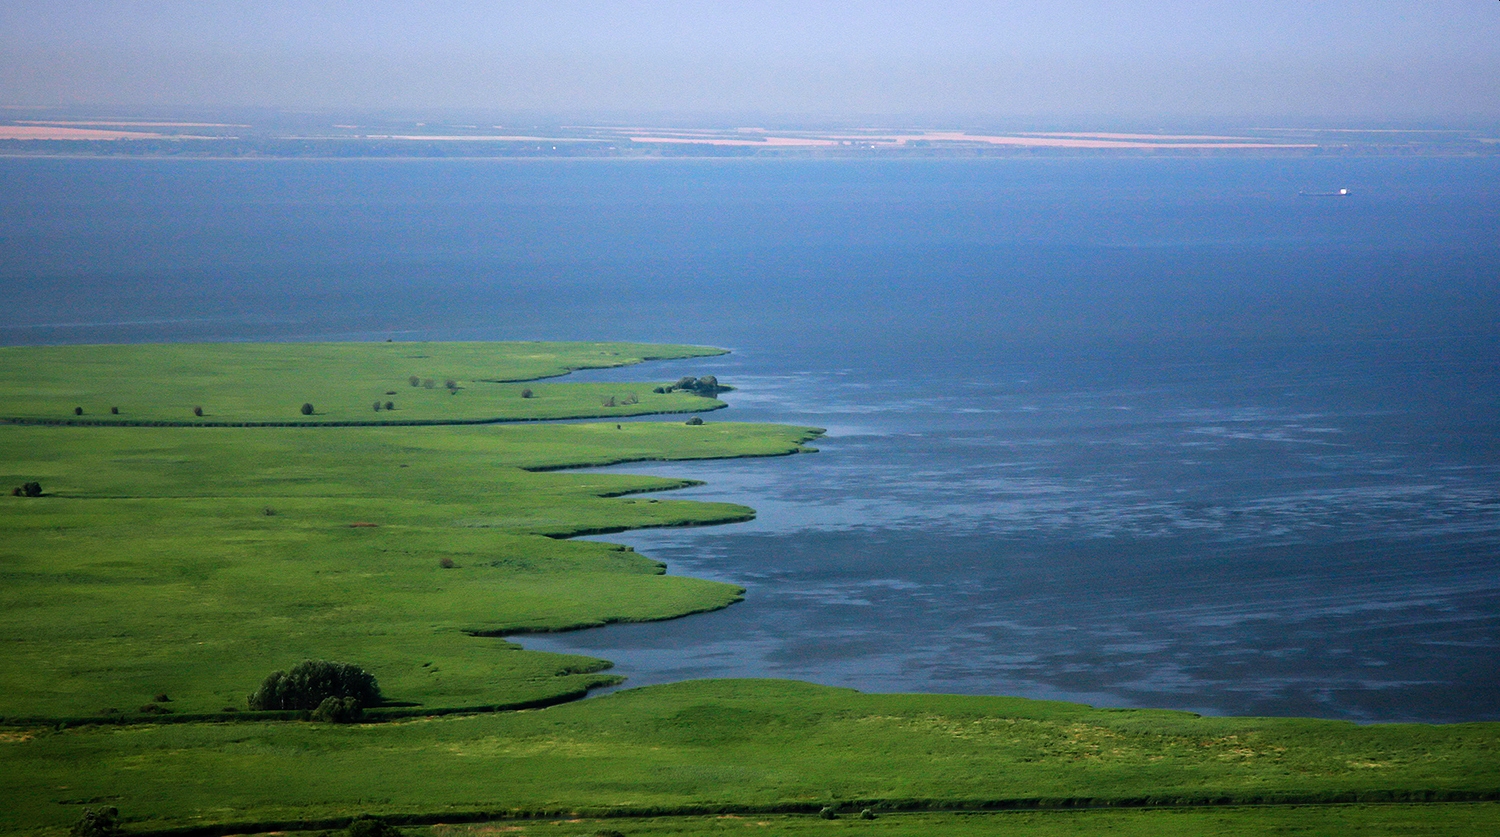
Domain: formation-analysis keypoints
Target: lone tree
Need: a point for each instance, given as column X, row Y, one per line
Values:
column 77, row 411
column 694, row 422
column 414, row 381
column 198, row 411
column 526, row 393
column 307, row 409
column 390, row 405
column 30, row 489
column 311, row 682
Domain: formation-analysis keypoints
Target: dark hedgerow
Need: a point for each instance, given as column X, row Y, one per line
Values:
column 311, row 682
column 336, row 710
column 365, row 825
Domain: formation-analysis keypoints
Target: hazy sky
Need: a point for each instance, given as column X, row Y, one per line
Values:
column 1322, row 60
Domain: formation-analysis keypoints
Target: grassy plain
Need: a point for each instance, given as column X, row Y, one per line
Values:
column 269, row 382
column 741, row 747
column 192, row 561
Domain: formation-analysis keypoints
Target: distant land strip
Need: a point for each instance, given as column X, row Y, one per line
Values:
column 209, row 139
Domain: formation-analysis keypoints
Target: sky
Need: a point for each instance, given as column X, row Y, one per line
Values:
column 1315, row 61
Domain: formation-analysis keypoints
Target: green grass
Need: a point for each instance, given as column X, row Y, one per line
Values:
column 743, row 747
column 269, row 382
column 153, row 565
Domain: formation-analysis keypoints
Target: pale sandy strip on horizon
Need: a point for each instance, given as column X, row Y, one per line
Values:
column 42, row 132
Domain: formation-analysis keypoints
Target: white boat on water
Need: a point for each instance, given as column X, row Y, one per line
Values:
column 1342, row 193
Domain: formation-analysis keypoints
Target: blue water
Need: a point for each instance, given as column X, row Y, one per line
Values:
column 1133, row 432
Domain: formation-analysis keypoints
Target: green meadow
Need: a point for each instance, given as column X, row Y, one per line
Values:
column 166, row 570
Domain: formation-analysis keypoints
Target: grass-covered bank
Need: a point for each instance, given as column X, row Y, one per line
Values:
column 742, row 747
column 229, row 384
column 193, row 562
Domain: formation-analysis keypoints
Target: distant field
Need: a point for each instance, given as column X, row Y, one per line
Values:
column 235, row 383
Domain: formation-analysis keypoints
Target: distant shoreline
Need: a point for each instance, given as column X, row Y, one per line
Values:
column 62, row 139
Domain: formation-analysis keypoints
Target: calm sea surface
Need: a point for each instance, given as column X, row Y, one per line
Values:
column 1131, row 432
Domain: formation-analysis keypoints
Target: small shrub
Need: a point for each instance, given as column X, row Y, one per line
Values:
column 631, row 398
column 336, row 710
column 97, row 822
column 828, row 814
column 659, row 390
column 31, row 489
column 414, row 381
column 161, row 697
column 114, row 411
column 307, row 409
column 365, row 825
column 390, row 405
column 268, row 511
column 609, row 402
column 198, row 411
column 428, row 383
column 390, row 392
column 377, row 406
column 526, row 393
column 867, row 814
column 153, row 709
column 446, row 563
column 77, row 411
column 694, row 421
column 450, row 384
column 310, row 682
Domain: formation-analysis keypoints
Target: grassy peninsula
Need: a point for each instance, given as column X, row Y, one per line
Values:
column 228, row 384
column 165, row 570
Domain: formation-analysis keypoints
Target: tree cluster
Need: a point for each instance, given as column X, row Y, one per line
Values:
column 312, row 682
column 98, row 822
column 706, row 386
